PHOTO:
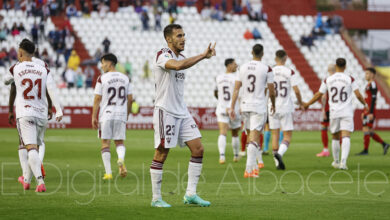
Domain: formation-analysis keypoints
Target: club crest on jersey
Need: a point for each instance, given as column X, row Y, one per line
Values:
column 168, row 140
column 180, row 76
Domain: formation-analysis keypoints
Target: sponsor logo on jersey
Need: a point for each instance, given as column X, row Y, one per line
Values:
column 27, row 106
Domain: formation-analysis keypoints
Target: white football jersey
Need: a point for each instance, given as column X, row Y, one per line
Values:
column 114, row 88
column 284, row 79
column 169, row 85
column 254, row 76
column 340, row 87
column 30, row 80
column 225, row 86
column 9, row 78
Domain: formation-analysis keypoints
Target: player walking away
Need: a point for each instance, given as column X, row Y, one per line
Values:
column 172, row 121
column 11, row 119
column 254, row 77
column 285, row 80
column 31, row 81
column 225, row 86
column 340, row 87
column 368, row 117
column 113, row 96
column 325, row 118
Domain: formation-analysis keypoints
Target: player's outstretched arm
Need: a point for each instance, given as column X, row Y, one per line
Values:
column 361, row 99
column 237, row 87
column 129, row 103
column 49, row 106
column 315, row 98
column 189, row 62
column 96, row 104
column 271, row 89
column 298, row 95
column 52, row 91
column 11, row 101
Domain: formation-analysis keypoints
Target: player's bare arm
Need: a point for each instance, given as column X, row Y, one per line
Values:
column 49, row 106
column 298, row 95
column 96, row 104
column 129, row 103
column 271, row 89
column 51, row 90
column 189, row 62
column 237, row 87
column 12, row 97
column 361, row 99
column 315, row 98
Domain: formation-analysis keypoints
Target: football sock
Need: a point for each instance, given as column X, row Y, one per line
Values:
column 366, row 141
column 345, row 147
column 194, row 171
column 251, row 157
column 156, row 177
column 243, row 140
column 121, row 150
column 23, row 159
column 376, row 138
column 41, row 151
column 336, row 150
column 283, row 148
column 35, row 165
column 221, row 146
column 235, row 145
column 267, row 137
column 324, row 138
column 106, row 157
column 280, row 137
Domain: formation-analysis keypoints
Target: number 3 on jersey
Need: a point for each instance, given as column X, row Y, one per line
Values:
column 30, row 85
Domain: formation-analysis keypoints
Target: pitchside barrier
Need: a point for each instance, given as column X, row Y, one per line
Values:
column 80, row 117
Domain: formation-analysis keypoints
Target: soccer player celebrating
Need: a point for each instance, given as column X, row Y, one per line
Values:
column 225, row 86
column 285, row 80
column 172, row 121
column 368, row 117
column 113, row 96
column 339, row 87
column 254, row 77
column 325, row 118
column 31, row 81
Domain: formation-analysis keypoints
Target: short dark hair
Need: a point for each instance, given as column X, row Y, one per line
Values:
column 27, row 46
column 258, row 50
column 169, row 29
column 110, row 57
column 280, row 54
column 228, row 61
column 371, row 69
column 341, row 62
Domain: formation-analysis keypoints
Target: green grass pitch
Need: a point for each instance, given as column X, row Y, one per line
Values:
column 309, row 189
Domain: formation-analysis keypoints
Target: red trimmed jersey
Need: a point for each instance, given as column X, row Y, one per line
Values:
column 254, row 76
column 30, row 80
column 371, row 93
column 340, row 87
column 284, row 79
column 169, row 85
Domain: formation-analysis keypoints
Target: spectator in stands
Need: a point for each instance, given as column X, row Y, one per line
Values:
column 248, row 34
column 34, row 33
column 45, row 57
column 206, row 13
column 7, row 5
column 53, row 6
column 157, row 21
column 318, row 33
column 42, row 25
column 3, row 57
column 45, row 11
column 172, row 6
column 30, row 7
column 14, row 30
column 85, row 9
column 73, row 61
column 71, row 10
column 146, row 70
column 307, row 41
column 12, row 54
column 263, row 15
column 145, row 20
column 318, row 21
column 79, row 78
column 172, row 18
column 103, row 9
column 95, row 5
column 55, row 38
column 106, row 45
column 69, row 43
column 70, row 77
column 256, row 34
column 335, row 22
column 21, row 28
column 3, row 34
column 237, row 6
column 89, row 73
column 217, row 13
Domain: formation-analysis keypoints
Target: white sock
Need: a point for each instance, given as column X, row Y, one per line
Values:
column 156, row 173
column 106, row 156
column 23, row 160
column 41, row 151
column 283, row 148
column 121, row 150
column 336, row 150
column 221, row 146
column 345, row 147
column 236, row 146
column 325, row 150
column 35, row 165
column 194, row 170
column 251, row 157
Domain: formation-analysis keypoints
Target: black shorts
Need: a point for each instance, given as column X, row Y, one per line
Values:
column 367, row 122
